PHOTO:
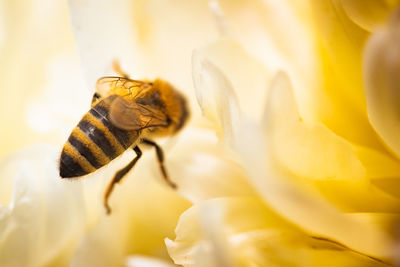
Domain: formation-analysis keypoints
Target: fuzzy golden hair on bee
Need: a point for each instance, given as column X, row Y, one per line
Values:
column 124, row 114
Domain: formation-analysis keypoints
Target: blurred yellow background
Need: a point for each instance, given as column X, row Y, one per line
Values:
column 34, row 36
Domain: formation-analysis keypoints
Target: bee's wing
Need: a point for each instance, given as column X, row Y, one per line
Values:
column 131, row 116
column 111, row 83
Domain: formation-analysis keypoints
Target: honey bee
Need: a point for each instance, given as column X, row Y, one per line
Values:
column 124, row 114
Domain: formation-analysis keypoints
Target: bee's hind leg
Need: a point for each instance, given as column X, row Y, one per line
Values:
column 118, row 177
column 160, row 158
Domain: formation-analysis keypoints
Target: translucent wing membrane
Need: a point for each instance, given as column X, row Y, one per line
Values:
column 131, row 116
column 109, row 85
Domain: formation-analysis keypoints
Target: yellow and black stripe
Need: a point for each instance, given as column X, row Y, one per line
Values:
column 94, row 142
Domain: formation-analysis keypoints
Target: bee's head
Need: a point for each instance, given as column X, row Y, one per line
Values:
column 174, row 103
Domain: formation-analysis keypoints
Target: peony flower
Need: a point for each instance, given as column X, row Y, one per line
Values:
column 326, row 179
column 290, row 157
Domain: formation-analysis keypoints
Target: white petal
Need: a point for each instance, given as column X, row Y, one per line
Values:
column 215, row 96
column 245, row 232
column 102, row 246
column 143, row 261
column 203, row 170
column 201, row 234
column 34, row 230
column 246, row 75
column 144, row 212
column 278, row 34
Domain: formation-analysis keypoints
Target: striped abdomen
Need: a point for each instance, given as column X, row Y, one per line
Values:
column 94, row 142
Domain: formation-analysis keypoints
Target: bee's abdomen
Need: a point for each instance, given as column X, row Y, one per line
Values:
column 93, row 143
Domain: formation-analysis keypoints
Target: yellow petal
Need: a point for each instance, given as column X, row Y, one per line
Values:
column 368, row 14
column 378, row 164
column 361, row 196
column 381, row 76
column 390, row 186
column 291, row 248
column 311, row 151
column 319, row 47
column 383, row 171
column 300, row 205
column 248, row 233
column 339, row 98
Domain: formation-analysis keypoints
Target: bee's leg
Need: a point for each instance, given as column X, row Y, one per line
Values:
column 160, row 157
column 95, row 97
column 117, row 68
column 118, row 177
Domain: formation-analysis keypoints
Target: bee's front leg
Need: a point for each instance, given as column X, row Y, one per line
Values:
column 117, row 68
column 96, row 96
